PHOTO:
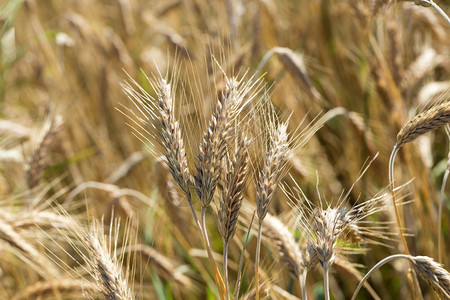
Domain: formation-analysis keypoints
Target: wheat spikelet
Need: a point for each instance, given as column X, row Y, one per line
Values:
column 434, row 274
column 273, row 165
column 107, row 271
column 278, row 234
column 171, row 139
column 37, row 162
column 213, row 147
column 63, row 287
column 233, row 192
column 433, row 118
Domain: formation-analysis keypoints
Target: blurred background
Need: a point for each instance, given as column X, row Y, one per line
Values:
column 62, row 64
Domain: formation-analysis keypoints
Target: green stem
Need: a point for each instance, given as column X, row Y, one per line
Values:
column 258, row 250
column 326, row 281
column 303, row 283
column 225, row 268
column 441, row 200
column 391, row 185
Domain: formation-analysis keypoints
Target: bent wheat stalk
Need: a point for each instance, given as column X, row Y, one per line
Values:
column 433, row 118
column 426, row 267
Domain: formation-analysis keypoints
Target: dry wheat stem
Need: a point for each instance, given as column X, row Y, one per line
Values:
column 257, row 258
column 441, row 200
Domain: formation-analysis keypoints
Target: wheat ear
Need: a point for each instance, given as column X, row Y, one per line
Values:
column 108, row 273
column 267, row 183
column 232, row 195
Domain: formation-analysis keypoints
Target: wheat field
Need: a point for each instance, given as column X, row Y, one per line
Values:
column 193, row 149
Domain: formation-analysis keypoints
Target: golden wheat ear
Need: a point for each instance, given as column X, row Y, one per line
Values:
column 107, row 268
column 433, row 118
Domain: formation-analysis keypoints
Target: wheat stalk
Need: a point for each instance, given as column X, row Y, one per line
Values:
column 433, row 118
column 267, row 183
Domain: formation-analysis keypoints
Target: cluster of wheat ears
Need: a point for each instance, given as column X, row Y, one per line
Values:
column 227, row 158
